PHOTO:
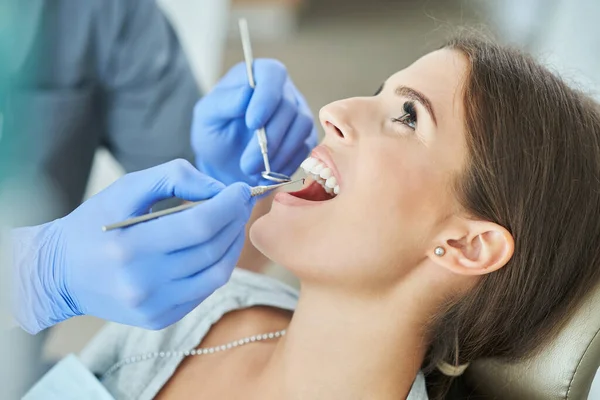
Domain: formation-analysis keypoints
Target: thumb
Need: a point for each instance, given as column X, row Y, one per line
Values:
column 138, row 191
column 220, row 106
column 227, row 100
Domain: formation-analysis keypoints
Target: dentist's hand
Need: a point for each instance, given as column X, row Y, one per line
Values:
column 149, row 275
column 225, row 121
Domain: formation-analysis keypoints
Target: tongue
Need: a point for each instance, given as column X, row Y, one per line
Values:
column 313, row 192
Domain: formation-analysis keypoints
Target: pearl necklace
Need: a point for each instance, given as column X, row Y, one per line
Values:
column 195, row 352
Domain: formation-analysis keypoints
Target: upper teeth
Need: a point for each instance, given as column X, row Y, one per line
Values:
column 322, row 174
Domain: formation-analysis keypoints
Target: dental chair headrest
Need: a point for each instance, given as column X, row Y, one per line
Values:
column 564, row 369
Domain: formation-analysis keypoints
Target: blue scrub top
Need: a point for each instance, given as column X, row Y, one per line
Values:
column 95, row 73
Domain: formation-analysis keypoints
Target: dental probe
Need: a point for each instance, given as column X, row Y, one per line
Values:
column 260, row 132
column 254, row 191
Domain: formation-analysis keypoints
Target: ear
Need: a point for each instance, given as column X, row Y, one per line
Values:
column 473, row 247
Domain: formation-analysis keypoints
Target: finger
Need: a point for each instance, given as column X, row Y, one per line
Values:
column 290, row 166
column 138, row 191
column 270, row 76
column 202, row 285
column 188, row 262
column 251, row 161
column 237, row 76
column 173, row 315
column 221, row 105
column 192, row 227
column 165, row 268
column 294, row 148
column 195, row 288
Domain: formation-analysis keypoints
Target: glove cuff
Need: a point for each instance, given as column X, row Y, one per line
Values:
column 38, row 298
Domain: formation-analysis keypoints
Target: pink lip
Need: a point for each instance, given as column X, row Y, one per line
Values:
column 323, row 153
column 287, row 199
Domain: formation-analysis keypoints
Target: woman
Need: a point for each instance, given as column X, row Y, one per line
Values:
column 465, row 225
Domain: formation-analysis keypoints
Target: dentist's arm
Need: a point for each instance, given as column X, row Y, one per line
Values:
column 149, row 275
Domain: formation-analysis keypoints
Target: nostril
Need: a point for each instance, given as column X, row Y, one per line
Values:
column 335, row 129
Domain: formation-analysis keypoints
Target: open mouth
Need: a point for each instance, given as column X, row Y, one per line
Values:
column 313, row 190
column 321, row 184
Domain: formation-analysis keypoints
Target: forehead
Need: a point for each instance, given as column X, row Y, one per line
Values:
column 440, row 76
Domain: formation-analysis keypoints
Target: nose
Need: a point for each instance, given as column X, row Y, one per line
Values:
column 336, row 121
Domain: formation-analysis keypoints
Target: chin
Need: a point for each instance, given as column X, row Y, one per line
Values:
column 280, row 239
column 261, row 235
column 288, row 239
column 286, row 233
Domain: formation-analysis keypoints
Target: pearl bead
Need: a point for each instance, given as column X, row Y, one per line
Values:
column 211, row 350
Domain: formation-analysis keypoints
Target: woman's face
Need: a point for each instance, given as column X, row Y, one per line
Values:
column 394, row 157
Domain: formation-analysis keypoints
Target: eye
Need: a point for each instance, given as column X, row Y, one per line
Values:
column 409, row 118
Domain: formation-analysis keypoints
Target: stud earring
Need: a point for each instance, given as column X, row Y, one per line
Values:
column 439, row 251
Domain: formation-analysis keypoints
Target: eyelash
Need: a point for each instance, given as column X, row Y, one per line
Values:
column 409, row 118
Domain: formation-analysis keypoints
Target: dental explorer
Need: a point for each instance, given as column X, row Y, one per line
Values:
column 260, row 133
column 254, row 191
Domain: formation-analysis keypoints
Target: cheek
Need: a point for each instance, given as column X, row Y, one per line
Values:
column 367, row 233
column 398, row 195
column 397, row 178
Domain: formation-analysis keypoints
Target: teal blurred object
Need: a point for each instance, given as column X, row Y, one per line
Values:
column 4, row 55
column 17, row 375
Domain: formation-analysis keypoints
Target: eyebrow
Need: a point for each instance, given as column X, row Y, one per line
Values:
column 413, row 94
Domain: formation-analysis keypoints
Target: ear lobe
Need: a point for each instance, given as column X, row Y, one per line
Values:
column 480, row 248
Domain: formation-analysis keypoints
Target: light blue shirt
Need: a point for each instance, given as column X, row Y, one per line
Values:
column 69, row 380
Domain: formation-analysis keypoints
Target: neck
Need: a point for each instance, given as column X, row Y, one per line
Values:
column 348, row 347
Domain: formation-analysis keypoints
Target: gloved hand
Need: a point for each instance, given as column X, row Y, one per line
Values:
column 148, row 275
column 225, row 121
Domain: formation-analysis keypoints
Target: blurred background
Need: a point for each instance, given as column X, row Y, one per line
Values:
column 341, row 48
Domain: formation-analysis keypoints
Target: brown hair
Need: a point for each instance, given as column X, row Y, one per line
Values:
column 534, row 168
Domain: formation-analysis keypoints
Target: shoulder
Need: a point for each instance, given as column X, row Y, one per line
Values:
column 245, row 289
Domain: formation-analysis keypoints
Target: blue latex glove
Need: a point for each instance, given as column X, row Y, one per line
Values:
column 148, row 275
column 225, row 121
